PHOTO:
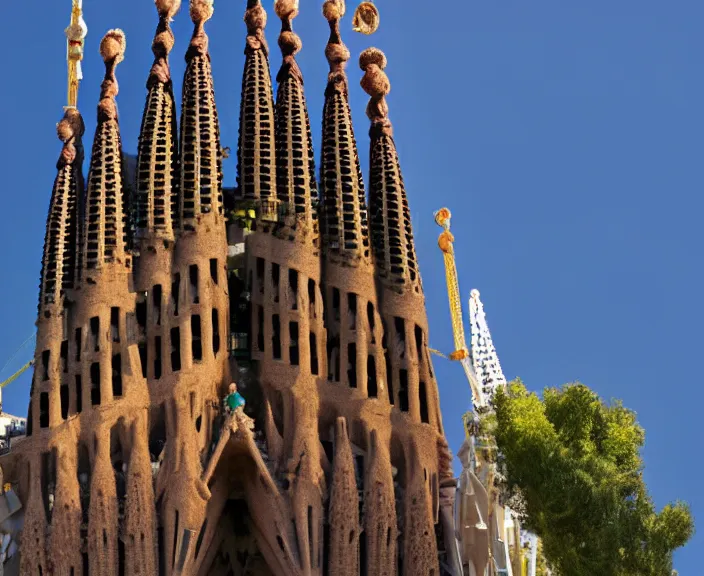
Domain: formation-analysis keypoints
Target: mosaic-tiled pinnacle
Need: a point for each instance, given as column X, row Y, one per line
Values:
column 392, row 234
column 157, row 161
column 256, row 164
column 61, row 243
column 201, row 154
column 344, row 212
column 106, row 231
column 295, row 161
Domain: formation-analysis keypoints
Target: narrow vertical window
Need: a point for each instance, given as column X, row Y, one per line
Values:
column 275, row 278
column 371, row 377
column 29, row 419
column 94, row 331
column 78, row 344
column 352, row 310
column 193, row 279
column 44, row 410
column 389, row 372
column 46, row 356
column 175, row 349
column 157, row 357
column 400, row 327
column 311, row 297
column 156, row 304
column 403, row 390
column 95, row 384
column 196, row 344
column 419, row 342
column 175, row 288
column 293, row 343
column 214, row 270
column 423, row 397
column 313, row 354
column 63, row 395
column 141, row 312
column 117, row 375
column 143, row 358
column 370, row 320
column 352, row 364
column 293, row 288
column 64, row 356
column 79, row 394
column 276, row 336
column 115, row 324
column 216, row 332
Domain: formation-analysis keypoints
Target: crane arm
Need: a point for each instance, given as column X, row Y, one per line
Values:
column 445, row 242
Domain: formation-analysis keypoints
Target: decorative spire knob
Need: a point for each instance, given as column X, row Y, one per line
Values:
column 255, row 19
column 68, row 130
column 112, row 50
column 336, row 52
column 167, row 8
column 289, row 42
column 376, row 84
column 163, row 41
column 201, row 11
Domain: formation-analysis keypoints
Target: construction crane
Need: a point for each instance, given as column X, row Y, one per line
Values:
column 25, row 349
column 483, row 370
column 461, row 353
column 75, row 44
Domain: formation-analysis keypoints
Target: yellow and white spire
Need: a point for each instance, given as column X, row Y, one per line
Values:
column 75, row 43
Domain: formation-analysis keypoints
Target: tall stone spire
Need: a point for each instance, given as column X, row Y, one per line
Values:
column 201, row 155
column 392, row 235
column 60, row 261
column 157, row 163
column 344, row 212
column 106, row 233
column 256, row 164
column 295, row 162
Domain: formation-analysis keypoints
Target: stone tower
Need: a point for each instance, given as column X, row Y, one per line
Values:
column 302, row 290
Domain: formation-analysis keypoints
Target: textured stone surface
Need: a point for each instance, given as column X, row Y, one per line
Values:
column 131, row 465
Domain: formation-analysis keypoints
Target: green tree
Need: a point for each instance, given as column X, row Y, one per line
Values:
column 573, row 467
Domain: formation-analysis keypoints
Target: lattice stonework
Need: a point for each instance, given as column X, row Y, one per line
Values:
column 392, row 234
column 295, row 161
column 157, row 164
column 256, row 164
column 59, row 264
column 201, row 155
column 345, row 227
column 106, row 234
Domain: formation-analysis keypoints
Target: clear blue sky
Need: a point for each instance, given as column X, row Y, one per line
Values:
column 566, row 138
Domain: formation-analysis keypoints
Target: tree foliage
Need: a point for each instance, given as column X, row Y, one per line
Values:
column 573, row 462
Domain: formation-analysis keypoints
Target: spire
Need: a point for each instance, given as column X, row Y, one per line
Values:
column 59, row 264
column 157, row 157
column 201, row 155
column 256, row 165
column 392, row 235
column 344, row 211
column 295, row 162
column 106, row 232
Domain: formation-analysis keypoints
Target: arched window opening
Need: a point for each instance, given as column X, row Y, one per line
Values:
column 371, row 377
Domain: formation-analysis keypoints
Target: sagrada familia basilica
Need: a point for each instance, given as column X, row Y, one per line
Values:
column 160, row 288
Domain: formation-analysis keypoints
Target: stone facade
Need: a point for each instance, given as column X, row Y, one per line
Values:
column 305, row 293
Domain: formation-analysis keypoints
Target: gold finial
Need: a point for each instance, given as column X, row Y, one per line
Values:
column 366, row 18
column 75, row 42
